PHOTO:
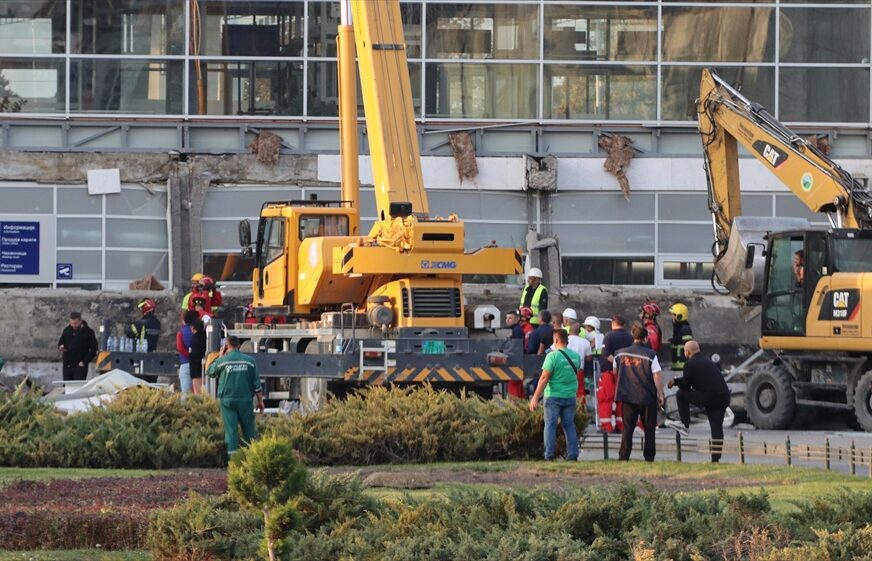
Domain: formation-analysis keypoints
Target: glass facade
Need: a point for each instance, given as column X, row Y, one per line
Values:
column 517, row 61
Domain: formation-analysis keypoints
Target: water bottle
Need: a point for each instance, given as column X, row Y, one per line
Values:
column 128, row 345
column 110, row 343
column 139, row 345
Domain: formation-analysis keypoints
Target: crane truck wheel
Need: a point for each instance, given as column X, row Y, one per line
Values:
column 770, row 399
column 863, row 402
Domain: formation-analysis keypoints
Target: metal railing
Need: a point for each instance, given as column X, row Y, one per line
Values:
column 742, row 450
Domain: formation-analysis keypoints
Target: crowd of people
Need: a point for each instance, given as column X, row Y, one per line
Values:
column 620, row 368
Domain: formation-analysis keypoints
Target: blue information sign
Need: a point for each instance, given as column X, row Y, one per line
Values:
column 19, row 248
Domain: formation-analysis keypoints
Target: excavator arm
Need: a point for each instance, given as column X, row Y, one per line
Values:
column 726, row 118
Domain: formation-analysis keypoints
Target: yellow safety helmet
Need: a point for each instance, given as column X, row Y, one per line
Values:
column 680, row 311
column 196, row 277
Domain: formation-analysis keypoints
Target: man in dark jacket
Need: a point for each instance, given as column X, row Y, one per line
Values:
column 703, row 385
column 640, row 391
column 78, row 346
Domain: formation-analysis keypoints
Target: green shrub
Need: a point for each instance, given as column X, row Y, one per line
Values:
column 143, row 428
column 380, row 425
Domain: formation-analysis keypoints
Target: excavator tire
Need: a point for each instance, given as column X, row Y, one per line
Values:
column 770, row 399
column 863, row 402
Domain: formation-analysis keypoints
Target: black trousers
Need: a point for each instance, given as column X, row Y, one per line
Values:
column 630, row 413
column 715, row 408
column 75, row 372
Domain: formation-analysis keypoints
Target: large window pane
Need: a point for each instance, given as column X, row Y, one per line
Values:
column 600, row 33
column 75, row 200
column 324, row 20
column 623, row 92
column 247, row 88
column 324, row 89
column 608, row 270
column 495, row 31
column 222, row 234
column 605, row 239
column 477, row 204
column 26, row 200
column 246, row 202
column 695, row 34
column 36, row 27
column 31, row 86
column 824, row 94
column 144, row 234
column 87, row 265
column 126, row 86
column 137, row 202
column 681, row 88
column 825, row 35
column 127, row 265
column 248, row 28
column 143, row 27
column 608, row 207
column 684, row 207
column 79, row 232
column 688, row 270
column 228, row 267
column 685, row 238
column 478, row 235
column 485, row 91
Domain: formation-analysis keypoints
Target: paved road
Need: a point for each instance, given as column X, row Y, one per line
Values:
column 807, row 446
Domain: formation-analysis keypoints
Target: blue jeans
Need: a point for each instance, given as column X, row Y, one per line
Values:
column 185, row 378
column 562, row 408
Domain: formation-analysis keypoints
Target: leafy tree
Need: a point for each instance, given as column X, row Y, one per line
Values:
column 267, row 476
column 10, row 102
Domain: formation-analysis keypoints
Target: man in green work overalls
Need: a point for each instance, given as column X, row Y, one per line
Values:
column 238, row 383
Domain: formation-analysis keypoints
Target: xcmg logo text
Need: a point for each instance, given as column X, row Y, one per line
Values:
column 427, row 264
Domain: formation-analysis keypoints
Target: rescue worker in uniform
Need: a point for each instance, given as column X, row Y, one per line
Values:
column 648, row 315
column 238, row 383
column 681, row 334
column 210, row 292
column 147, row 327
column 609, row 411
column 186, row 301
column 515, row 388
column 534, row 295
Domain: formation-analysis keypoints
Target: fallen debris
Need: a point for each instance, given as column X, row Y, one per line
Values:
column 267, row 146
column 464, row 154
column 621, row 153
column 149, row 282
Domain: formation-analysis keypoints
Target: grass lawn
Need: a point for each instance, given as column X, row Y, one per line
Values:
column 10, row 475
column 75, row 555
column 783, row 484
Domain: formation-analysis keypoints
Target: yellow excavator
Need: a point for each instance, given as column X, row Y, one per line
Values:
column 388, row 306
column 814, row 284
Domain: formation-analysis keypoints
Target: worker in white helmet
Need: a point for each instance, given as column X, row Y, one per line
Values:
column 534, row 295
column 569, row 318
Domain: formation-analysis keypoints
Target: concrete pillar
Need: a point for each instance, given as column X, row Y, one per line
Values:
column 199, row 187
column 179, row 235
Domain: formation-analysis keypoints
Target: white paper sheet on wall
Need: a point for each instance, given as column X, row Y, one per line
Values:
column 104, row 181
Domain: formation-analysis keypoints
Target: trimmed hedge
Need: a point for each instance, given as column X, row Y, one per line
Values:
column 609, row 524
column 144, row 428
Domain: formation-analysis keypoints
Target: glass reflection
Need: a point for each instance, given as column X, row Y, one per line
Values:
column 826, row 95
column 484, row 91
column 32, row 27
column 681, row 88
column 126, row 86
column 694, row 34
column 247, row 88
column 577, row 92
column 324, row 21
column 600, row 33
column 483, row 31
column 31, row 86
column 266, row 29
column 141, row 27
column 824, row 35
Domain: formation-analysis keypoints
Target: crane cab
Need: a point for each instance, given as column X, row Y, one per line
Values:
column 284, row 228
column 815, row 284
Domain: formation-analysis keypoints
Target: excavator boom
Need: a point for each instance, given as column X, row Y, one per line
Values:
column 726, row 120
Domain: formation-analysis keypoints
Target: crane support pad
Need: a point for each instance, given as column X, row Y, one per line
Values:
column 157, row 364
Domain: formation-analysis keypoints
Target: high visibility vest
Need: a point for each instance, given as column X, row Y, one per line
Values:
column 534, row 303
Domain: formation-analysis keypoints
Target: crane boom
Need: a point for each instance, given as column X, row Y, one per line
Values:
column 387, row 100
column 727, row 118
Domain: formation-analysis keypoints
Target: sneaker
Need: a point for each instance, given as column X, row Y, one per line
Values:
column 677, row 426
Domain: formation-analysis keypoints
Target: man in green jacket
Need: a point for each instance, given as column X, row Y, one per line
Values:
column 238, row 383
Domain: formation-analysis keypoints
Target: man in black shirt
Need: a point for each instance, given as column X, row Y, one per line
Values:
column 703, row 385
column 78, row 345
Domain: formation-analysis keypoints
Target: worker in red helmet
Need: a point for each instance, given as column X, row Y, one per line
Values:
column 648, row 314
column 147, row 328
column 207, row 284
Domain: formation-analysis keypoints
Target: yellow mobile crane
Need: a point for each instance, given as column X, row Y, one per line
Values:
column 814, row 284
column 386, row 307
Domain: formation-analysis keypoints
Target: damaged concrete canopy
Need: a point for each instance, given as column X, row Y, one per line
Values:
column 821, row 142
column 267, row 146
column 620, row 151
column 464, row 154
